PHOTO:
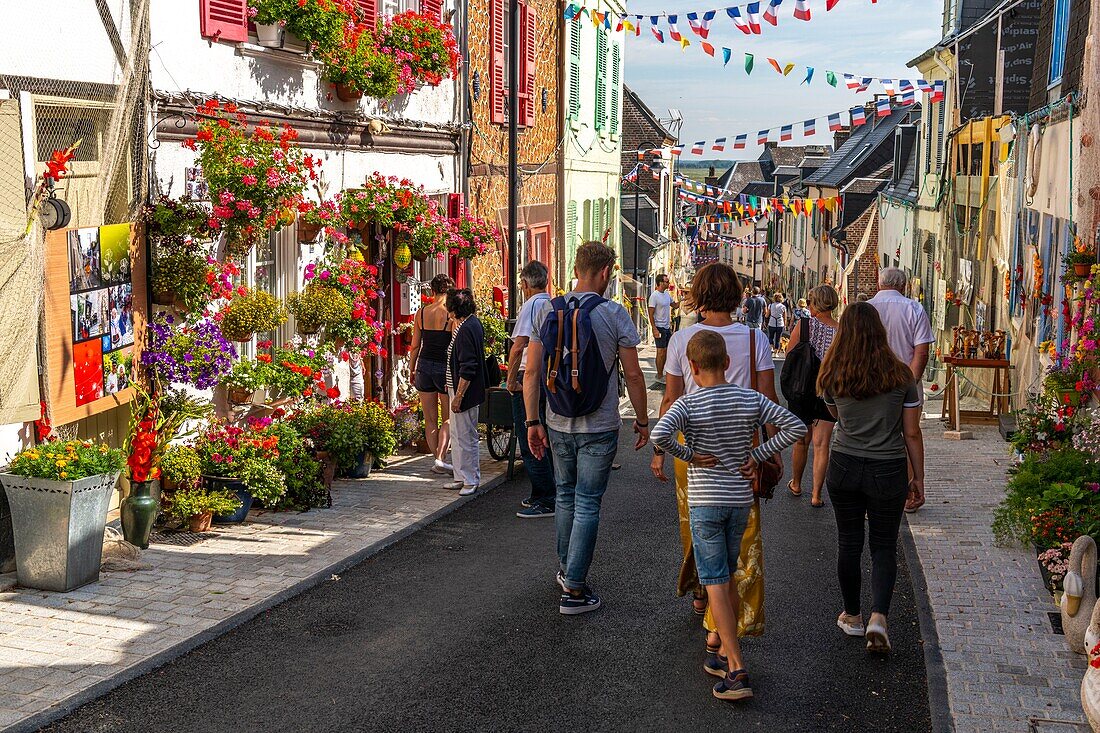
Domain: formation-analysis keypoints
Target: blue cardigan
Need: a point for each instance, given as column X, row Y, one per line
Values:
column 468, row 361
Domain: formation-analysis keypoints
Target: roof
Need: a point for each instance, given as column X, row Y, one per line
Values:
column 764, row 189
column 866, row 186
column 813, row 162
column 870, row 146
column 793, row 155
column 646, row 202
column 629, row 95
column 906, row 187
column 741, row 174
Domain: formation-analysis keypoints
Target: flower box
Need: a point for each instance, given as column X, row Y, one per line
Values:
column 269, row 35
column 58, row 528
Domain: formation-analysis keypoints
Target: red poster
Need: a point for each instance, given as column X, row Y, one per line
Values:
column 88, row 368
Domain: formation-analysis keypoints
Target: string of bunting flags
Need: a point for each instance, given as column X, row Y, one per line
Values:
column 749, row 207
column 748, row 18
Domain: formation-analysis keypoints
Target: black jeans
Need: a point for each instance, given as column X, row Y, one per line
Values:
column 775, row 335
column 540, row 472
column 875, row 489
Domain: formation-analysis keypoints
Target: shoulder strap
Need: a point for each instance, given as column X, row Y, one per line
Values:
column 555, row 363
column 575, row 373
column 806, row 329
column 753, row 378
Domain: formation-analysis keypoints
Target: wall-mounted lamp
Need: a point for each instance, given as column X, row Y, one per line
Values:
column 55, row 213
column 475, row 84
column 545, row 98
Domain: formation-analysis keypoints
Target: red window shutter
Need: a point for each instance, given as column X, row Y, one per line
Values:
column 455, row 205
column 369, row 11
column 433, row 8
column 498, row 94
column 224, row 20
column 528, row 64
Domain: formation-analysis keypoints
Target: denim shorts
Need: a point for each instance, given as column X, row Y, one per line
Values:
column 431, row 376
column 662, row 336
column 716, row 533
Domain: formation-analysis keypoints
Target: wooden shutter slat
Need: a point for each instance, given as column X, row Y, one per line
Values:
column 369, row 11
column 529, row 65
column 432, row 8
column 224, row 20
column 601, row 80
column 575, row 69
column 497, row 91
column 616, row 85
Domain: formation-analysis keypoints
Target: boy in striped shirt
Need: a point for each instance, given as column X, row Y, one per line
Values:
column 718, row 423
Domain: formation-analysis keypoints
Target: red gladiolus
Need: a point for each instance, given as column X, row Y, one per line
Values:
column 307, row 392
column 332, row 393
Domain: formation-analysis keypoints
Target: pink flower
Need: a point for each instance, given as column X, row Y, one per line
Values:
column 249, row 162
column 226, row 197
column 249, row 179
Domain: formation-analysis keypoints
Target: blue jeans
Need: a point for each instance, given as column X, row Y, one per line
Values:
column 541, row 473
column 582, row 466
column 716, row 533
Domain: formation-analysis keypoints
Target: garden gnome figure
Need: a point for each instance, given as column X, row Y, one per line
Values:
column 1079, row 594
column 1090, row 685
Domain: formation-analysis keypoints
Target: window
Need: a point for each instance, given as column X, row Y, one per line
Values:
column 1058, row 42
column 601, row 81
column 500, row 37
column 391, row 8
column 616, row 86
column 574, row 108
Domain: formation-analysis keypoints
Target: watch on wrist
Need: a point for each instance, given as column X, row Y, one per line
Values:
column 642, row 424
column 534, row 423
column 658, row 451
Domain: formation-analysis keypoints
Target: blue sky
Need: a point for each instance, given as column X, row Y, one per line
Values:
column 856, row 37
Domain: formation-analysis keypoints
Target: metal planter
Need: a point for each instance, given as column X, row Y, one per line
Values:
column 58, row 529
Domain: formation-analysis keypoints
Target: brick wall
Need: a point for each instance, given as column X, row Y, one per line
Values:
column 864, row 276
column 1075, row 51
column 538, row 144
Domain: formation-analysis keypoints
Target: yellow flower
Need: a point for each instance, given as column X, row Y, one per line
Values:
column 62, row 463
column 64, row 474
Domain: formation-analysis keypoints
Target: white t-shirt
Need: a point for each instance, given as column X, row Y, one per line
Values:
column 661, row 303
column 737, row 346
column 777, row 312
column 907, row 325
column 525, row 322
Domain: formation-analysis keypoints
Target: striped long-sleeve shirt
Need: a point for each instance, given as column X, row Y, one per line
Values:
column 720, row 421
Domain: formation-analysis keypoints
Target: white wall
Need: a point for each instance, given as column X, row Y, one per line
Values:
column 61, row 39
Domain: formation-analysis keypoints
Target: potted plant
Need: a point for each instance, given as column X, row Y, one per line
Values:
column 1082, row 258
column 357, row 66
column 180, row 468
column 170, row 221
column 1064, row 380
column 424, row 45
column 318, row 306
column 373, row 422
column 59, row 494
column 240, row 460
column 244, row 380
column 476, row 237
column 196, row 354
column 358, row 283
column 143, row 449
column 250, row 312
column 294, row 375
column 269, row 17
column 197, row 507
column 254, row 174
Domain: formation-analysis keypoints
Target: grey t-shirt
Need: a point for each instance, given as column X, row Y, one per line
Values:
column 872, row 428
column 612, row 327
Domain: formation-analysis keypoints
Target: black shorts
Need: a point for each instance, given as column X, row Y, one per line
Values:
column 662, row 336
column 431, row 376
column 809, row 413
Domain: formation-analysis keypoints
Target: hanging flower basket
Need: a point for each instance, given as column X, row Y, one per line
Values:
column 1081, row 269
column 307, row 233
column 240, row 396
column 347, row 93
column 307, row 329
column 164, row 298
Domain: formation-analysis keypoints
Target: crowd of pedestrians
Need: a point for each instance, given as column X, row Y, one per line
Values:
column 853, row 389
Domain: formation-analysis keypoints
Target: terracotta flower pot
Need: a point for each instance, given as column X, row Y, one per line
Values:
column 347, row 93
column 1082, row 269
column 240, row 396
column 307, row 232
column 165, row 298
column 200, row 522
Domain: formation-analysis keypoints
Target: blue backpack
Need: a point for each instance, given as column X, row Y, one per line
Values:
column 576, row 376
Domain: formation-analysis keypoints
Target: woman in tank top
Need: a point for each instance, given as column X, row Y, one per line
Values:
column 428, row 371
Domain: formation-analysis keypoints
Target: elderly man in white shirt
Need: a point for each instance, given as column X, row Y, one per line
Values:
column 908, row 329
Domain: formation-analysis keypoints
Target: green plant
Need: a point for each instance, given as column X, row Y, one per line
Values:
column 1044, row 487
column 423, row 44
column 496, row 330
column 475, row 236
column 357, row 62
column 318, row 306
column 251, row 312
column 376, row 424
column 182, row 271
column 248, row 375
column 174, row 221
column 302, row 474
column 263, row 479
column 190, row 502
column 294, row 374
column 408, row 425
column 180, row 464
column 68, row 460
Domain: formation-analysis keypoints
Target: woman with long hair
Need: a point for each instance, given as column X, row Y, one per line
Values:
column 428, row 356
column 716, row 292
column 821, row 327
column 878, row 409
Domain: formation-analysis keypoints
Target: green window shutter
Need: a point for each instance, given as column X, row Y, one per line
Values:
column 616, row 85
column 586, row 230
column 575, row 69
column 601, row 80
column 570, row 224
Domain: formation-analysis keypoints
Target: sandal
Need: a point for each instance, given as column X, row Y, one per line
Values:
column 699, row 605
column 790, row 488
column 817, row 504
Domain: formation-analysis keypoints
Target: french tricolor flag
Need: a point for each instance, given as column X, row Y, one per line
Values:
column 657, row 32
column 673, row 31
column 738, row 19
column 924, row 86
column 802, row 9
column 830, row 4
column 719, row 145
column 762, row 137
column 697, row 148
column 859, row 117
column 770, row 15
column 809, row 128
column 834, row 122
column 701, row 26
column 740, row 142
column 940, row 92
column 677, row 150
column 882, row 107
column 785, row 133
column 753, row 11
column 851, row 81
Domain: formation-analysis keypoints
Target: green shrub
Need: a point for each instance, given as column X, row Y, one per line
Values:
column 189, row 502
column 180, row 464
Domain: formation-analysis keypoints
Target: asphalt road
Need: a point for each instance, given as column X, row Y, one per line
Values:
column 457, row 629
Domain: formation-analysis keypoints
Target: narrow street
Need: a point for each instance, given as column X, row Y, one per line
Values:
column 456, row 629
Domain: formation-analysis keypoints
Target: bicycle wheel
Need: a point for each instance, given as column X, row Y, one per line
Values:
column 497, row 440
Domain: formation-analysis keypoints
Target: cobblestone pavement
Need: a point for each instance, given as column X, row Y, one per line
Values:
column 60, row 649
column 1005, row 668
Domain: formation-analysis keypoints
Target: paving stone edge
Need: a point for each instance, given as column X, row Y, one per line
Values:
column 939, row 704
column 71, row 703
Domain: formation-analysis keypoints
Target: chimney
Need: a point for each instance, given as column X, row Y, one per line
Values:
column 840, row 137
column 711, row 173
column 771, row 145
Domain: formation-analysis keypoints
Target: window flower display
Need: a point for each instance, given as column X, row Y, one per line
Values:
column 195, row 354
column 476, row 236
column 357, row 66
column 422, row 44
column 250, row 312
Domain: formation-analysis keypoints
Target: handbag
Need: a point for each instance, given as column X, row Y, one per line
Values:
column 770, row 470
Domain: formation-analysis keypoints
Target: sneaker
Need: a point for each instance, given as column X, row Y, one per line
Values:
column 441, row 467
column 850, row 628
column 536, row 511
column 527, row 503
column 715, row 664
column 467, row 490
column 734, row 686
column 453, row 485
column 560, row 578
column 878, row 641
column 571, row 605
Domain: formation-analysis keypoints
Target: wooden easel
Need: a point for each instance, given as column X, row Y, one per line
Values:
column 953, row 416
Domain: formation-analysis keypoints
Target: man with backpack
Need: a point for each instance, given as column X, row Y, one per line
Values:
column 754, row 309
column 576, row 345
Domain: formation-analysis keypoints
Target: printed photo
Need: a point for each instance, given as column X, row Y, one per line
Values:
column 114, row 254
column 88, row 371
column 116, row 369
column 121, row 332
column 84, row 257
column 90, row 313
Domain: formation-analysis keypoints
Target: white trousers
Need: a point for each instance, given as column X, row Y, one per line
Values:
column 465, row 456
